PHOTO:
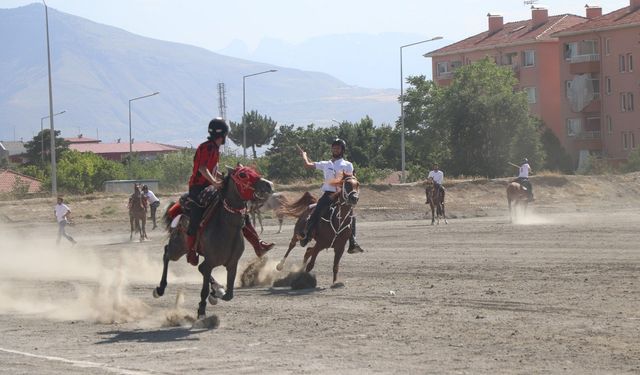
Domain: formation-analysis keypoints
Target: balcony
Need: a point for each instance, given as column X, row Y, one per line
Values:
column 584, row 64
column 594, row 105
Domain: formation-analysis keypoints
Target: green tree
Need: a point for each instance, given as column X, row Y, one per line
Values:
column 39, row 148
column 86, row 172
column 482, row 114
column 527, row 143
column 260, row 131
column 557, row 157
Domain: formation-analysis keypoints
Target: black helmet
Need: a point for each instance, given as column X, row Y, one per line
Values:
column 218, row 127
column 525, row 160
column 340, row 142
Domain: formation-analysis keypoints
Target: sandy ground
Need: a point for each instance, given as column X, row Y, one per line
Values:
column 557, row 292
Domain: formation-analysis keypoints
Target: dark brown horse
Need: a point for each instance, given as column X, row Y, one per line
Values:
column 334, row 228
column 435, row 201
column 138, row 213
column 518, row 198
column 221, row 242
column 275, row 203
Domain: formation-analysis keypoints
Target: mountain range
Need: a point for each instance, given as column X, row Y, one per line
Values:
column 97, row 69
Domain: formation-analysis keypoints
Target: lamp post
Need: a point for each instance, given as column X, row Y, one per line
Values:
column 130, row 139
column 402, row 153
column 42, row 134
column 244, row 124
column 54, row 173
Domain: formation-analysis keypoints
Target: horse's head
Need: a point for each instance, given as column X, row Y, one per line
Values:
column 350, row 192
column 249, row 184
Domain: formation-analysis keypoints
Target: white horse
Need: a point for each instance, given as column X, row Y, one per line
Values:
column 275, row 202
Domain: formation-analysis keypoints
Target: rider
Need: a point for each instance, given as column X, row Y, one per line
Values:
column 205, row 169
column 153, row 201
column 437, row 176
column 523, row 177
column 331, row 169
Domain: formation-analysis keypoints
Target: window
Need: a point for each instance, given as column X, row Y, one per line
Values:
column 608, row 85
column 586, row 50
column 443, row 68
column 567, row 88
column 632, row 140
column 455, row 65
column 621, row 64
column 531, row 94
column 529, row 58
column 629, row 62
column 629, row 102
column 595, row 83
column 509, row 58
column 626, row 102
column 625, row 141
column 574, row 126
column 609, row 125
column 607, row 46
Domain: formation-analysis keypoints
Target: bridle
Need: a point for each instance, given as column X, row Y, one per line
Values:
column 345, row 196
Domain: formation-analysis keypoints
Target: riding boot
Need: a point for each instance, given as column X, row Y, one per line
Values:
column 259, row 246
column 192, row 255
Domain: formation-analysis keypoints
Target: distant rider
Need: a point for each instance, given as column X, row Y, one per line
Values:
column 154, row 202
column 437, row 176
column 523, row 177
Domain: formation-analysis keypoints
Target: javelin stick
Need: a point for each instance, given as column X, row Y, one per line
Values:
column 510, row 163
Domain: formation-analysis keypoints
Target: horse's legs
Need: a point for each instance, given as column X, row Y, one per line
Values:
column 292, row 244
column 143, row 229
column 510, row 211
column 433, row 213
column 131, row 220
column 444, row 216
column 336, row 261
column 232, row 268
column 205, row 270
column 280, row 220
column 311, row 255
column 159, row 290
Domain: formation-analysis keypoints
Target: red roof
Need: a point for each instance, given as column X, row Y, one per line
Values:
column 626, row 16
column 109, row 148
column 515, row 33
column 8, row 181
column 82, row 140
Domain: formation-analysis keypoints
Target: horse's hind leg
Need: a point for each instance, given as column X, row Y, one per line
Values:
column 131, row 220
column 433, row 214
column 444, row 216
column 292, row 244
column 159, row 290
column 280, row 220
column 310, row 256
column 336, row 261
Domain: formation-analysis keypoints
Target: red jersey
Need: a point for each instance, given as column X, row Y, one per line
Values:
column 208, row 155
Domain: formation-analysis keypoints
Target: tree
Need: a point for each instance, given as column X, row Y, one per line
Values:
column 260, row 131
column 39, row 148
column 86, row 172
column 482, row 113
column 527, row 143
column 557, row 157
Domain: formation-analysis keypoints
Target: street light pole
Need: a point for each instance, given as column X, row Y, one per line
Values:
column 244, row 124
column 130, row 139
column 42, row 135
column 54, row 173
column 402, row 152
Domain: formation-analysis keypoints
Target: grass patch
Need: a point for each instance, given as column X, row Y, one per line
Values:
column 108, row 210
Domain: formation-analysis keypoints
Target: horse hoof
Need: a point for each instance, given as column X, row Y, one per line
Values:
column 157, row 294
column 280, row 266
column 213, row 300
column 202, row 316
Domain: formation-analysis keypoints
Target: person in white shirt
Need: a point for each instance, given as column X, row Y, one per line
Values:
column 523, row 177
column 331, row 169
column 154, row 203
column 62, row 213
column 437, row 176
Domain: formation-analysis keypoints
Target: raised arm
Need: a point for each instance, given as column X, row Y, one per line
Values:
column 307, row 163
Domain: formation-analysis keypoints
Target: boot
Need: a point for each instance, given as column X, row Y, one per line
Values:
column 192, row 255
column 259, row 246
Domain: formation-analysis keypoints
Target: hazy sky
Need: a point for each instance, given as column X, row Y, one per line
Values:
column 214, row 24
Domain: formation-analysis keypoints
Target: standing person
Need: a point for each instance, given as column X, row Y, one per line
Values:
column 63, row 214
column 205, row 169
column 523, row 177
column 154, row 203
column 438, row 179
column 331, row 169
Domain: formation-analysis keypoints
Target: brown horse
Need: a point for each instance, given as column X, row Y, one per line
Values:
column 334, row 228
column 519, row 196
column 435, row 201
column 138, row 213
column 221, row 241
column 275, row 202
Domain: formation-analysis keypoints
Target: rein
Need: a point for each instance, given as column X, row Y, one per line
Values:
column 336, row 212
column 233, row 210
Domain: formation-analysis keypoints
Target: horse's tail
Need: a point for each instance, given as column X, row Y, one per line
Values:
column 169, row 215
column 297, row 208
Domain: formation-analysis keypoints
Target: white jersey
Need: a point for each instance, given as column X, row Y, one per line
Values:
column 151, row 198
column 61, row 211
column 438, row 176
column 524, row 170
column 331, row 171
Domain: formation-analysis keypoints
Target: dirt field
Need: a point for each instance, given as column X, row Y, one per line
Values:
column 557, row 292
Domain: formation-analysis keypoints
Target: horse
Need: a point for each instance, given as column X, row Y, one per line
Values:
column 221, row 241
column 275, row 202
column 333, row 229
column 519, row 196
column 138, row 213
column 436, row 202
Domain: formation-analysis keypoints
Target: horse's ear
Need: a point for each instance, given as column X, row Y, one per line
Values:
column 229, row 170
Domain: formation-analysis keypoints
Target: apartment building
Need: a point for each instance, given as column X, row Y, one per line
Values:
column 601, row 84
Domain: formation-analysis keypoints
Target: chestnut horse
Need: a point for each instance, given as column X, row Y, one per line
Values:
column 519, row 196
column 221, row 241
column 138, row 213
column 333, row 229
column 435, row 201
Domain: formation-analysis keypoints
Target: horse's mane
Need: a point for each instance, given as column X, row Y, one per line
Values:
column 297, row 208
column 337, row 182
